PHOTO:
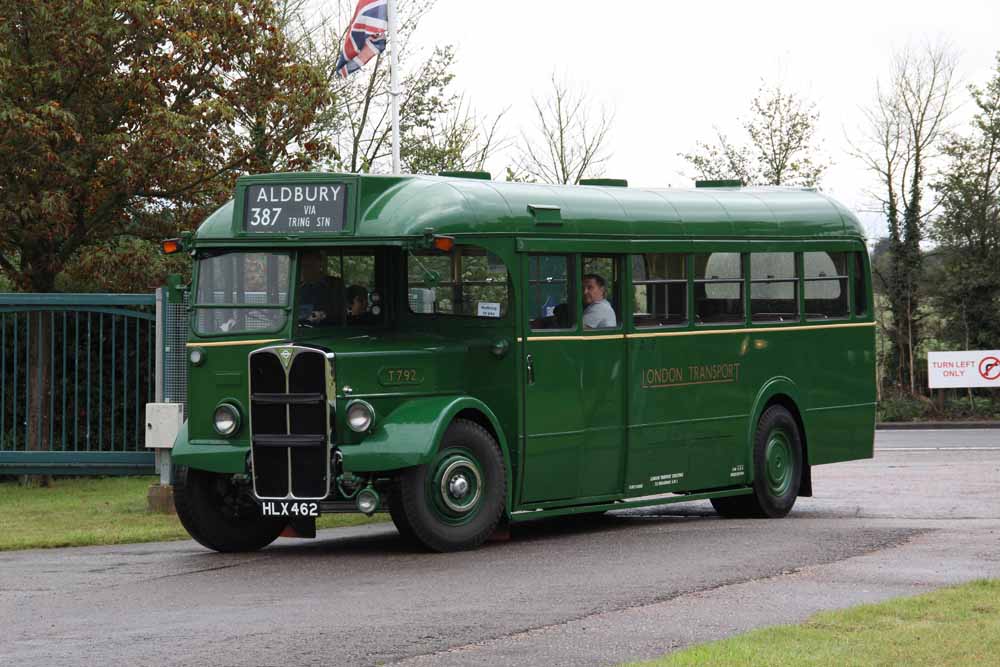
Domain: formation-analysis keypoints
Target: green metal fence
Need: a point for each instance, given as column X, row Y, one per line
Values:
column 75, row 374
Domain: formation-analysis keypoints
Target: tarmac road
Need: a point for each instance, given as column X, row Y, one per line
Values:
column 983, row 438
column 573, row 591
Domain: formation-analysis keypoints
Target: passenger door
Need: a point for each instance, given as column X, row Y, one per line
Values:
column 574, row 443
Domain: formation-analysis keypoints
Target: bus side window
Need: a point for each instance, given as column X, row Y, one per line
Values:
column 773, row 287
column 598, row 270
column 860, row 286
column 825, row 285
column 718, row 288
column 549, row 301
column 467, row 282
column 659, row 288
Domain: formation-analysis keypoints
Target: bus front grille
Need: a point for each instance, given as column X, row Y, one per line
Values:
column 289, row 422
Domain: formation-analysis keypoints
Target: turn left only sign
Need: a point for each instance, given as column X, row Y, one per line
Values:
column 972, row 368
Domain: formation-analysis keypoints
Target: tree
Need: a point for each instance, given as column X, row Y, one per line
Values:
column 782, row 148
column 438, row 131
column 903, row 128
column 127, row 117
column 568, row 143
column 358, row 129
column 133, row 118
column 967, row 230
column 456, row 141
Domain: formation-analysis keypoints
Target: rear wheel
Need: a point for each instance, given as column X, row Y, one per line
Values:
column 777, row 461
column 455, row 501
column 219, row 512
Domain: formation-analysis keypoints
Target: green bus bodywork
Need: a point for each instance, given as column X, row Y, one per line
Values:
column 607, row 415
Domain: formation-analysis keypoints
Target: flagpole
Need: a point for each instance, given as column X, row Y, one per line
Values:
column 394, row 84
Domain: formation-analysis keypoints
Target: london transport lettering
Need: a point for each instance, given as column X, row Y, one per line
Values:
column 295, row 208
column 678, row 376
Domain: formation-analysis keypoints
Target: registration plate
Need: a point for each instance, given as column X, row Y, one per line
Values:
column 289, row 508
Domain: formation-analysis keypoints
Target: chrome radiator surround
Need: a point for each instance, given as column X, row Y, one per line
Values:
column 292, row 390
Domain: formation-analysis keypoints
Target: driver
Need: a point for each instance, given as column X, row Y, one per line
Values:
column 319, row 293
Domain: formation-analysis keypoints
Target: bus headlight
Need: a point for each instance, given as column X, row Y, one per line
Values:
column 360, row 416
column 226, row 419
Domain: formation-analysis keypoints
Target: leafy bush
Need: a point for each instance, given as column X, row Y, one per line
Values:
column 903, row 408
column 982, row 407
column 906, row 407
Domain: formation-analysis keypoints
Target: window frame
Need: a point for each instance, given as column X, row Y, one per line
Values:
column 859, row 285
column 380, row 270
column 573, row 268
column 743, row 281
column 685, row 281
column 795, row 281
column 196, row 307
column 612, row 296
column 844, row 281
column 457, row 285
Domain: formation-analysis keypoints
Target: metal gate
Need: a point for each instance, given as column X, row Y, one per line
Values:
column 76, row 372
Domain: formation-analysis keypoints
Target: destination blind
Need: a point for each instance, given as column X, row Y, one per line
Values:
column 294, row 208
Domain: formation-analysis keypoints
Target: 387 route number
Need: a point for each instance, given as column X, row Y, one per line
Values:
column 264, row 217
column 281, row 508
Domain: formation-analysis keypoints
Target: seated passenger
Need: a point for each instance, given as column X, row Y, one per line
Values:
column 561, row 315
column 357, row 306
column 597, row 312
column 319, row 293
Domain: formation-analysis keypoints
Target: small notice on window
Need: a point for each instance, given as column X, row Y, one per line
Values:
column 488, row 309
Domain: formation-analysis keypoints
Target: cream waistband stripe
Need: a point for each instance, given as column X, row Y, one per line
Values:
column 647, row 334
column 225, row 343
column 687, row 332
column 611, row 337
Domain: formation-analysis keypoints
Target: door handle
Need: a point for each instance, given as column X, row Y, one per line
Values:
column 530, row 361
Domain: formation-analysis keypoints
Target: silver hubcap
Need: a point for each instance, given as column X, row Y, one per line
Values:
column 458, row 486
column 461, row 485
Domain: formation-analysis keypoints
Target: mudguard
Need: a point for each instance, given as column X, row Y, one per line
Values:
column 784, row 386
column 410, row 434
column 218, row 456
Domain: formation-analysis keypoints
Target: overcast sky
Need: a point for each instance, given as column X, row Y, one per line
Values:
column 671, row 71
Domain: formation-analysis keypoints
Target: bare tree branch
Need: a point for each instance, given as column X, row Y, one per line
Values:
column 566, row 144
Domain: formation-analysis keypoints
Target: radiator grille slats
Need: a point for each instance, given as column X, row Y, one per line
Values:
column 288, row 399
column 307, row 375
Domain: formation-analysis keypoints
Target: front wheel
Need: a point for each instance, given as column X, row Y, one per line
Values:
column 218, row 511
column 777, row 466
column 456, row 500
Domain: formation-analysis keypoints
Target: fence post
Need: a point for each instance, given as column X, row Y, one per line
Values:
column 163, row 463
column 160, row 497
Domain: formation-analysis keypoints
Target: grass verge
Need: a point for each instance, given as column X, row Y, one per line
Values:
column 78, row 512
column 953, row 626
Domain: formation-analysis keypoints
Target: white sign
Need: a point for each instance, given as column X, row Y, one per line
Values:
column 488, row 309
column 973, row 368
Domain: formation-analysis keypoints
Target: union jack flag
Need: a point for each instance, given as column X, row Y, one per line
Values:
column 365, row 38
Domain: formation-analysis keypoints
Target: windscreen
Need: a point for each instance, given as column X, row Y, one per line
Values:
column 340, row 287
column 240, row 292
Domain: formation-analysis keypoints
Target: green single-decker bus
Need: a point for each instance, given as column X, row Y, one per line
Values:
column 467, row 354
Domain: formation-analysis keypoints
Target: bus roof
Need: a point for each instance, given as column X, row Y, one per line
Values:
column 385, row 207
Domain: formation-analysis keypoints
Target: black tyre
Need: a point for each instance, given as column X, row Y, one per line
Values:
column 455, row 501
column 777, row 463
column 398, row 517
column 219, row 512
